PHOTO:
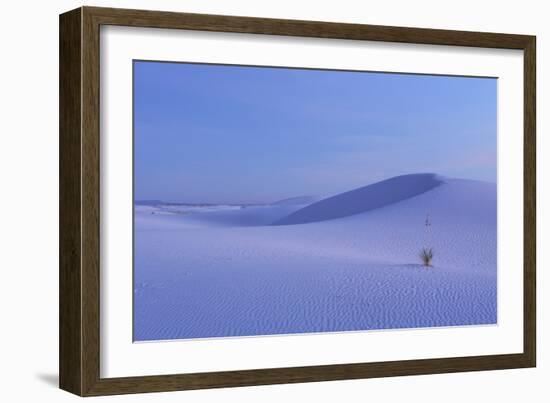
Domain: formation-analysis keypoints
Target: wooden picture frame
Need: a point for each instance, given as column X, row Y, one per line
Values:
column 79, row 348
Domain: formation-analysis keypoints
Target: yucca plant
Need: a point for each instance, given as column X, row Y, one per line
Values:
column 427, row 254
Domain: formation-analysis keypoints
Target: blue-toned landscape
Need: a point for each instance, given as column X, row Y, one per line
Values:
column 283, row 201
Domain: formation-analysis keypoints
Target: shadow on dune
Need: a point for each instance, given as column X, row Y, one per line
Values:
column 363, row 199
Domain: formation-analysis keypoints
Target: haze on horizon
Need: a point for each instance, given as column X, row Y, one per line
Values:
column 234, row 134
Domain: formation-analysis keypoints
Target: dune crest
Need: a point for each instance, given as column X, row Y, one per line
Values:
column 364, row 199
column 297, row 201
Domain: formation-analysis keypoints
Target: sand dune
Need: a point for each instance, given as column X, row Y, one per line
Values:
column 201, row 275
column 366, row 198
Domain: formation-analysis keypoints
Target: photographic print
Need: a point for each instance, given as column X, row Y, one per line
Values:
column 277, row 201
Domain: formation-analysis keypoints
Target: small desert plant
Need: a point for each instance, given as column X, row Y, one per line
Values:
column 427, row 254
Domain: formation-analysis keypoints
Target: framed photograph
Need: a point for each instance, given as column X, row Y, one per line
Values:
column 248, row 201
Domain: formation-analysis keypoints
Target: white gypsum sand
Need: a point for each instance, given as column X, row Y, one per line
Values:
column 345, row 263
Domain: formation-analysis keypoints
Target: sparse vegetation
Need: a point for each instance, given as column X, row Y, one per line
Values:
column 427, row 254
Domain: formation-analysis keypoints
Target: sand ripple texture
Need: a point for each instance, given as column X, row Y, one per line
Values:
column 239, row 272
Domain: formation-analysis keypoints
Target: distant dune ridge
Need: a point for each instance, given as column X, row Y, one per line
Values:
column 345, row 263
column 364, row 199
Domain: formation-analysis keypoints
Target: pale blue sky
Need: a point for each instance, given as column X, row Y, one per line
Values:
column 214, row 134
